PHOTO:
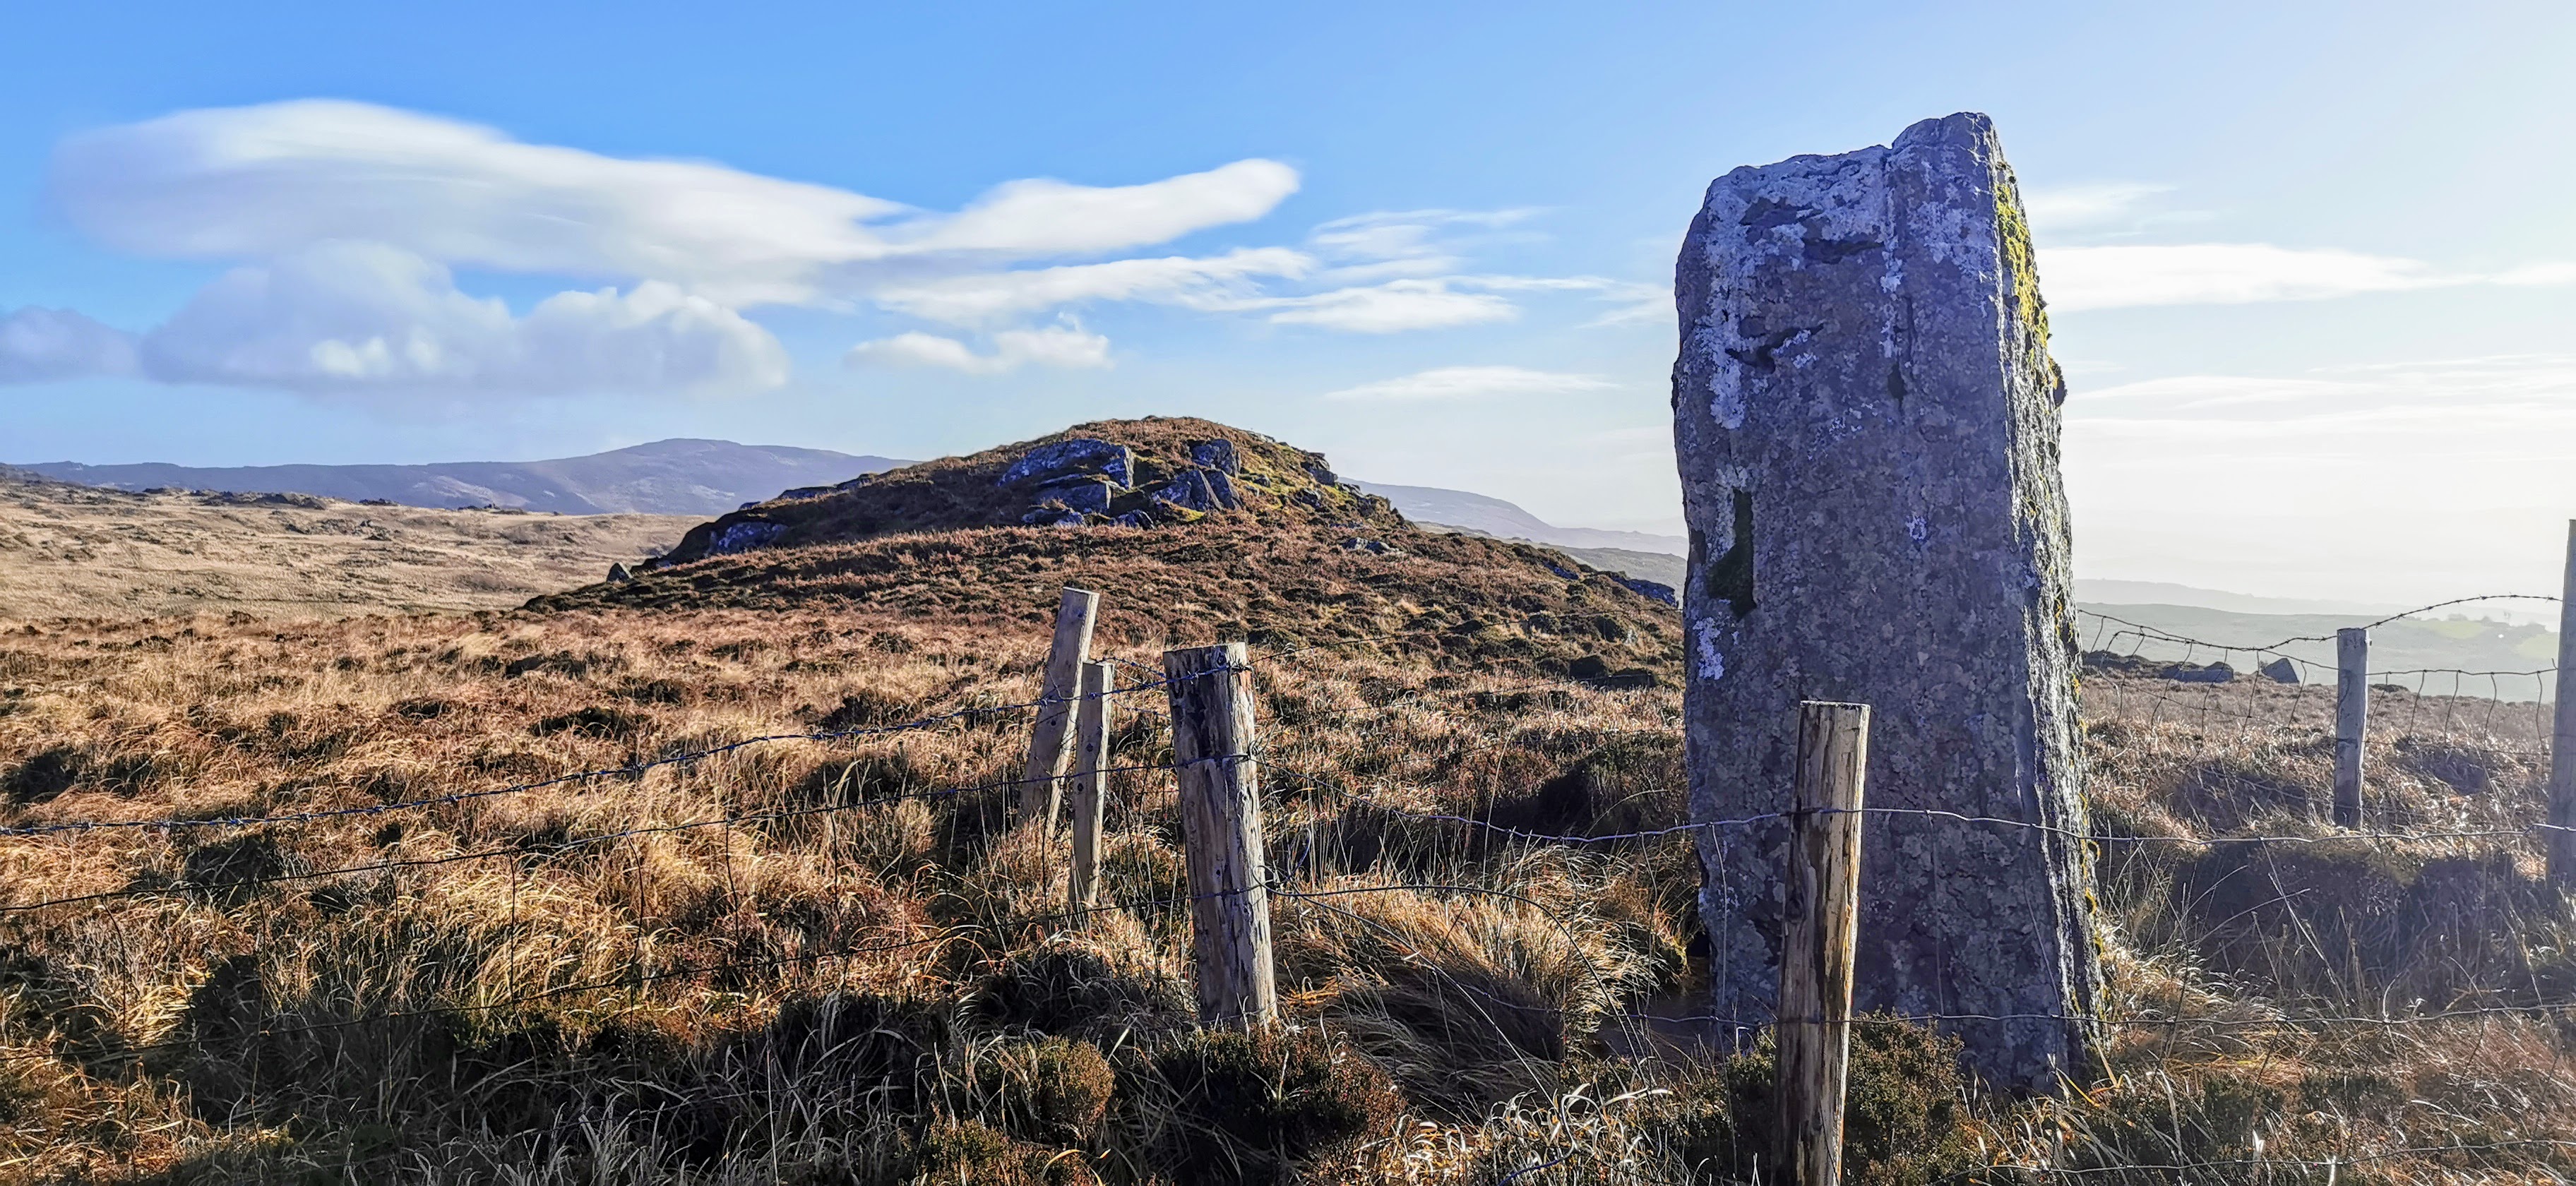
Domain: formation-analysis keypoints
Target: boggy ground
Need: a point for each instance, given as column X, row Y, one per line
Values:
column 806, row 961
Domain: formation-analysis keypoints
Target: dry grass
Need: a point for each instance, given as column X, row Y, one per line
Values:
column 891, row 992
column 70, row 550
column 542, row 1007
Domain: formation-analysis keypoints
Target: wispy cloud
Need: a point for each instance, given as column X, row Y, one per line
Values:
column 1066, row 347
column 1472, row 382
column 2071, row 207
column 346, row 222
column 2078, row 278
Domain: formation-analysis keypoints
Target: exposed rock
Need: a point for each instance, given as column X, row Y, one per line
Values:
column 1316, row 469
column 1375, row 547
column 1198, row 490
column 1866, row 418
column 619, row 574
column 1218, row 455
column 744, row 536
column 1221, row 488
column 1645, row 588
column 1133, row 519
column 1082, row 494
column 2281, row 670
column 1064, row 459
column 2195, row 673
column 1053, row 515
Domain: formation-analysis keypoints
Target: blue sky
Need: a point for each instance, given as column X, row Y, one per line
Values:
column 2314, row 265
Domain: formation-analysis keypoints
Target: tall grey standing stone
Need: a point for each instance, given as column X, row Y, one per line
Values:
column 1867, row 422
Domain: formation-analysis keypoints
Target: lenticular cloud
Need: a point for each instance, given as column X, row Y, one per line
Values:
column 346, row 218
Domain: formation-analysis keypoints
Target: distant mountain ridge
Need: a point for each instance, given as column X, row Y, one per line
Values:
column 1493, row 516
column 685, row 476
column 673, row 477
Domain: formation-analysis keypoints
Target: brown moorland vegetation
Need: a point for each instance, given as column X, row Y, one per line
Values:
column 69, row 550
column 837, row 959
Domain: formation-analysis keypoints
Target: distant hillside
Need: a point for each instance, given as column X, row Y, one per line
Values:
column 2168, row 593
column 1485, row 515
column 2415, row 653
column 69, row 550
column 674, row 477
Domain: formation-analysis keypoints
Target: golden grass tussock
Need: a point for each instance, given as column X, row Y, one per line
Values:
column 842, row 959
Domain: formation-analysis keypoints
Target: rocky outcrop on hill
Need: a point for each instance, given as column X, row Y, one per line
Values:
column 1135, row 474
column 1192, row 531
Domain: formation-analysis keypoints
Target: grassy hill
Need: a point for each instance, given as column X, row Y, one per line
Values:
column 1297, row 559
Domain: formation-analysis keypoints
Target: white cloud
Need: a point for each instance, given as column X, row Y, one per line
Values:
column 1219, row 282
column 1067, row 347
column 1403, row 234
column 1471, row 382
column 2072, row 206
column 1392, row 307
column 43, row 345
column 2077, row 278
column 2540, row 274
column 344, row 318
column 1045, row 217
column 255, row 182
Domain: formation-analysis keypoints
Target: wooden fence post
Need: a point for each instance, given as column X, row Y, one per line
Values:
column 1040, row 785
column 1090, row 749
column 2562, row 737
column 2352, row 720
column 1818, row 927
column 1211, row 696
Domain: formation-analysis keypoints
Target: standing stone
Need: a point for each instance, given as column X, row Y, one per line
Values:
column 1867, row 422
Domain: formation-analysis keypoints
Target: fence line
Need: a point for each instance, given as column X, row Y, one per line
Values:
column 1265, row 885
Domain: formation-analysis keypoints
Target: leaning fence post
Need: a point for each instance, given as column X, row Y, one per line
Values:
column 1817, row 928
column 2562, row 737
column 1090, row 747
column 2352, row 720
column 1039, row 787
column 1211, row 697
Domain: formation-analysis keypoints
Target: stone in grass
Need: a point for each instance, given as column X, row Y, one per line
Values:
column 1866, row 418
column 2281, row 671
column 1064, row 459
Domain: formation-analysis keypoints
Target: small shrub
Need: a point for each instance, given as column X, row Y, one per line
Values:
column 968, row 1151
column 1254, row 1107
column 1051, row 1090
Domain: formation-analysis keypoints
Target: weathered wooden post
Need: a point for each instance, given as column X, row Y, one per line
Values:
column 1820, row 923
column 1040, row 785
column 1867, row 422
column 1211, row 698
column 1090, row 748
column 2562, row 736
column 2352, row 721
